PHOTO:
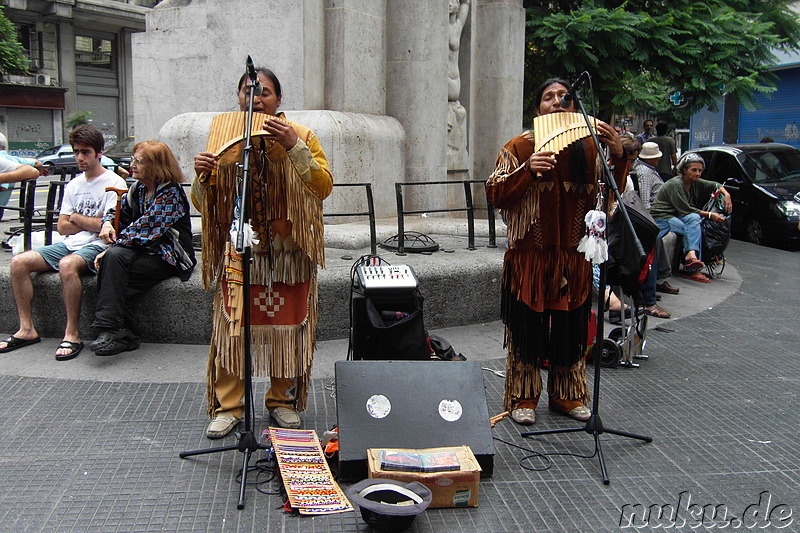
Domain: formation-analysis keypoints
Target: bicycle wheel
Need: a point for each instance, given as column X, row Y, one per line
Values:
column 715, row 266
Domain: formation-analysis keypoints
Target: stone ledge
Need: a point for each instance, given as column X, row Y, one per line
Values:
column 461, row 287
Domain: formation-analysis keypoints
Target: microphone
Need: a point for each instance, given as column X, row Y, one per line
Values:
column 567, row 99
column 251, row 73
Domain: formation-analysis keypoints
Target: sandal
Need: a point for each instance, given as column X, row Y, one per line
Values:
column 73, row 347
column 656, row 311
column 12, row 343
column 696, row 276
column 693, row 265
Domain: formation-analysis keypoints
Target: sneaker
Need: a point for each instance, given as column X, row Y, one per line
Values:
column 222, row 424
column 286, row 417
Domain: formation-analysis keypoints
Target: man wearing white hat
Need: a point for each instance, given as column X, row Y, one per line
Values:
column 646, row 174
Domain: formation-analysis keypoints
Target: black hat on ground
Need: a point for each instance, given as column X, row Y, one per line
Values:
column 388, row 505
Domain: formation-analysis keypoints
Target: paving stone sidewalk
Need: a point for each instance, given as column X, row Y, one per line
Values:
column 718, row 395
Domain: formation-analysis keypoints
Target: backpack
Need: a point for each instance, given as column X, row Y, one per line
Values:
column 626, row 266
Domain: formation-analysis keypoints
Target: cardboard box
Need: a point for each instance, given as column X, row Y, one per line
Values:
column 457, row 488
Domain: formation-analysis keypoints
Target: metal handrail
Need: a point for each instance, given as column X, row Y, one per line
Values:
column 370, row 212
column 469, row 209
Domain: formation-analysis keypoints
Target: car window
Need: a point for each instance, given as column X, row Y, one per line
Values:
column 65, row 150
column 773, row 166
column 722, row 168
column 48, row 151
column 124, row 146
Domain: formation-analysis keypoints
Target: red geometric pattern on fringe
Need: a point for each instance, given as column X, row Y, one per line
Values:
column 285, row 305
column 269, row 302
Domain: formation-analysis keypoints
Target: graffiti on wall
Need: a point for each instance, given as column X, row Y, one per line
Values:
column 28, row 132
column 790, row 134
column 27, row 149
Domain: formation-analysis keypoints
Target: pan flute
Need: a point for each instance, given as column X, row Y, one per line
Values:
column 556, row 131
column 227, row 129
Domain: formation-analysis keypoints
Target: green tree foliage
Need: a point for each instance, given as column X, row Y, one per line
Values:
column 13, row 58
column 641, row 51
column 78, row 118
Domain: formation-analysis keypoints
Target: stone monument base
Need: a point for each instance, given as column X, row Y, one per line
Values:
column 360, row 148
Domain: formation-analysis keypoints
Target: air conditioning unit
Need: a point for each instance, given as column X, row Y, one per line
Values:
column 42, row 79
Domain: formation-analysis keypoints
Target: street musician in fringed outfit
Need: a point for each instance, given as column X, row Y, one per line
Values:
column 290, row 178
column 546, row 282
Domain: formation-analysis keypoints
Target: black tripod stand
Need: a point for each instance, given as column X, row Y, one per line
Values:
column 594, row 426
column 248, row 443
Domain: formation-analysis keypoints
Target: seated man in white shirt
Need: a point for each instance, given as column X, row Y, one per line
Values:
column 12, row 171
column 85, row 202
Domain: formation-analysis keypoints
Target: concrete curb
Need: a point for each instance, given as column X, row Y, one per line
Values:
column 460, row 287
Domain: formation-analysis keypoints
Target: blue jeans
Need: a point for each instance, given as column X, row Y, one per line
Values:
column 688, row 226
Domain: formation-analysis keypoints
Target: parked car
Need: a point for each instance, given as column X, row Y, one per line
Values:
column 764, row 182
column 122, row 152
column 60, row 158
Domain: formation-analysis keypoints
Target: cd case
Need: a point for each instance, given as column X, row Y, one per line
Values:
column 406, row 461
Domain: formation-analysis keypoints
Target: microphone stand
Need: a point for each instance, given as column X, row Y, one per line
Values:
column 594, row 426
column 247, row 441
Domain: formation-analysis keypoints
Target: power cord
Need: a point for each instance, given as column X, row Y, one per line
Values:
column 266, row 471
column 543, row 456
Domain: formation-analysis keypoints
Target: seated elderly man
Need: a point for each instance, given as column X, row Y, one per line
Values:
column 678, row 207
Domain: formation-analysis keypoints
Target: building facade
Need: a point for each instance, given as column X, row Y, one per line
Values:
column 80, row 61
column 776, row 116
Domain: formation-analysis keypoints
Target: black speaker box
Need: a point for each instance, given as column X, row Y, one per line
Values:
column 410, row 404
column 388, row 325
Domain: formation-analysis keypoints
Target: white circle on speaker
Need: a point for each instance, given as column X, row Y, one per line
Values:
column 450, row 410
column 378, row 406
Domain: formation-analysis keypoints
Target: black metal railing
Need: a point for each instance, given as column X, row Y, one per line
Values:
column 469, row 208
column 26, row 210
column 370, row 213
column 55, row 195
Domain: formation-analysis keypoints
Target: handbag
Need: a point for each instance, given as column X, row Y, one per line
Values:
column 716, row 235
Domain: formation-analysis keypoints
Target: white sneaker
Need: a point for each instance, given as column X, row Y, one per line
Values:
column 222, row 424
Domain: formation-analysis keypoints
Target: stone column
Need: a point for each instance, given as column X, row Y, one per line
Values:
column 355, row 69
column 67, row 76
column 416, row 91
column 194, row 51
column 125, row 74
column 498, row 74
